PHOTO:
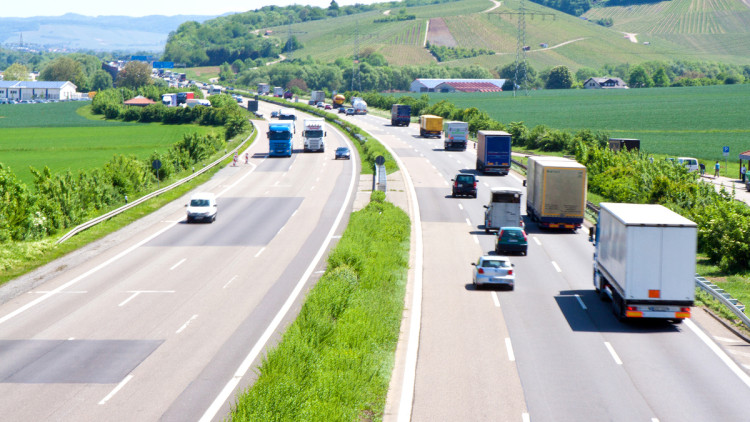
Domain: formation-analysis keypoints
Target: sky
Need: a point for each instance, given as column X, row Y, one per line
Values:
column 151, row 7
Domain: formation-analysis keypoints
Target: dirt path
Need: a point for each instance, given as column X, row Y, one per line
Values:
column 632, row 37
column 498, row 3
column 548, row 48
column 387, row 12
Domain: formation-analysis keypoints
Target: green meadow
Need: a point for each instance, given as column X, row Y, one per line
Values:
column 61, row 137
column 689, row 121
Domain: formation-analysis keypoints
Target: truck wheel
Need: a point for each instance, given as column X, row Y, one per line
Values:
column 618, row 308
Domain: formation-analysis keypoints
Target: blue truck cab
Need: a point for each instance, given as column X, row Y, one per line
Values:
column 280, row 139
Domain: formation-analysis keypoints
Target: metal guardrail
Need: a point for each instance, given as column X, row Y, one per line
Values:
column 725, row 298
column 107, row 216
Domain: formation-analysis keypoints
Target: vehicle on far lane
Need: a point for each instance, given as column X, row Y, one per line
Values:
column 492, row 269
column 342, row 110
column 202, row 206
column 350, row 111
column 343, row 153
column 327, row 107
column 465, row 184
column 511, row 239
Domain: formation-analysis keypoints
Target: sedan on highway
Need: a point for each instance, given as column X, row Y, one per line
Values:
column 350, row 112
column 343, row 153
column 511, row 239
column 492, row 269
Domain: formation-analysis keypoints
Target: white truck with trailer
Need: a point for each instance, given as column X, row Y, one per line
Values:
column 504, row 209
column 644, row 261
column 313, row 134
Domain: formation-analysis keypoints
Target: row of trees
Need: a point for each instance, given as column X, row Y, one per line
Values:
column 63, row 200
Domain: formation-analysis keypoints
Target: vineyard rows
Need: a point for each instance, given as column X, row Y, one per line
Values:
column 410, row 35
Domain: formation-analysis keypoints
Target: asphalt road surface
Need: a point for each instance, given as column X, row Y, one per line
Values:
column 168, row 323
column 550, row 350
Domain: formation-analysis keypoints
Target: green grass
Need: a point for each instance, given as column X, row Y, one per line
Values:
column 203, row 73
column 334, row 362
column 690, row 121
column 57, row 136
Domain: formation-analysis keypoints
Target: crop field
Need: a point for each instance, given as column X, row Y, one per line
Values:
column 690, row 121
column 409, row 34
column 67, row 141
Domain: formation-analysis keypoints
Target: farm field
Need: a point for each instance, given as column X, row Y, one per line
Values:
column 54, row 135
column 689, row 121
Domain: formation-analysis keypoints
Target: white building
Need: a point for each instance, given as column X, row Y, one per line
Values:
column 604, row 83
column 30, row 90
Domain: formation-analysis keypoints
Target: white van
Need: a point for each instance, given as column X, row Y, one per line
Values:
column 690, row 163
column 202, row 206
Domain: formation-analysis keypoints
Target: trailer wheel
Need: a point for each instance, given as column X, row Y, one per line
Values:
column 618, row 307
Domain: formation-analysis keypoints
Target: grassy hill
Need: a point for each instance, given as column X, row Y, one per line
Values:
column 675, row 30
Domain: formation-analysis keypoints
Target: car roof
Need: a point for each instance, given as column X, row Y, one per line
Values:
column 494, row 258
column 203, row 195
column 511, row 228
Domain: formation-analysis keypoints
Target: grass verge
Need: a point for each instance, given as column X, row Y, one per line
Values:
column 334, row 362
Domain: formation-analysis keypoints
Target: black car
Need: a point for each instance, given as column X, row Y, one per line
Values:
column 465, row 184
column 343, row 153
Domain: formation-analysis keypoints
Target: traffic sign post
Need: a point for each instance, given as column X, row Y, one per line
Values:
column 725, row 151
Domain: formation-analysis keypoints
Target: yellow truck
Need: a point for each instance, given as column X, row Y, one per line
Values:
column 430, row 125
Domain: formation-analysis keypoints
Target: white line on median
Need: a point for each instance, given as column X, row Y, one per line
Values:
column 557, row 267
column 613, row 353
column 511, row 356
column 185, row 325
column 581, row 302
column 495, row 299
column 720, row 353
column 260, row 251
column 178, row 264
column 461, row 207
column 468, row 223
column 119, row 386
column 228, row 282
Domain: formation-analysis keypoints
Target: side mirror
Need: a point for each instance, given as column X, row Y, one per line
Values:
column 453, row 180
column 473, row 264
column 524, row 182
column 486, row 206
column 186, row 205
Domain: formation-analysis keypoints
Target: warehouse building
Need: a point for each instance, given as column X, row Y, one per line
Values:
column 33, row 90
column 457, row 85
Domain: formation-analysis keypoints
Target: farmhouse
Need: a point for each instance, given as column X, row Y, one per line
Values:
column 457, row 85
column 30, row 90
column 604, row 83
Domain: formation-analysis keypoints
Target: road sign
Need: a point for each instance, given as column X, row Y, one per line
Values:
column 380, row 160
column 156, row 165
column 726, row 151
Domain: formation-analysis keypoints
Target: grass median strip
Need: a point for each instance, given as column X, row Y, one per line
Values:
column 334, row 361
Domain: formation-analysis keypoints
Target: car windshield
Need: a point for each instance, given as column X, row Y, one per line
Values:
column 495, row 263
column 342, row 149
column 465, row 179
column 199, row 202
column 511, row 234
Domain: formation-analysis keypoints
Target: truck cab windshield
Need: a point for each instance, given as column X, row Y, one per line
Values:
column 314, row 133
column 278, row 135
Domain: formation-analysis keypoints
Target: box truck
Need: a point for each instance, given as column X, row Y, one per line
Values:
column 644, row 261
column 400, row 115
column 169, row 100
column 504, row 209
column 456, row 135
column 264, row 89
column 556, row 192
column 317, row 97
column 493, row 151
column 182, row 97
column 313, row 133
column 430, row 125
column 278, row 91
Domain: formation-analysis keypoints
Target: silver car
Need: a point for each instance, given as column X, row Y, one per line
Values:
column 493, row 269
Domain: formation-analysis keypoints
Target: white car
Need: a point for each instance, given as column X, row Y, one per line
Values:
column 202, row 207
column 493, row 269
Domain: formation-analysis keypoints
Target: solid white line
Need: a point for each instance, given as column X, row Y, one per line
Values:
column 228, row 282
column 42, row 292
column 525, row 417
column 178, row 264
column 537, row 241
column 119, row 386
column 228, row 389
column 581, row 302
column 186, row 324
column 613, row 353
column 82, row 276
column 295, row 212
column 461, row 207
column 476, row 239
column 468, row 223
column 554, row 264
column 495, row 299
column 260, row 251
column 511, row 356
column 720, row 353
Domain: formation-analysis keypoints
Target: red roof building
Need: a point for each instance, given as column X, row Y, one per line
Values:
column 139, row 101
column 468, row 87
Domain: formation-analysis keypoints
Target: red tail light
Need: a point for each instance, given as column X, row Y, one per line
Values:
column 480, row 271
column 455, row 184
column 524, row 236
column 510, row 272
column 684, row 309
column 632, row 308
column 475, row 184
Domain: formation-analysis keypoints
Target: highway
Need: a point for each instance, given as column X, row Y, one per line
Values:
column 168, row 323
column 550, row 350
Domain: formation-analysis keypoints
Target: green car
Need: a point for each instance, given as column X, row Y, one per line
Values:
column 511, row 239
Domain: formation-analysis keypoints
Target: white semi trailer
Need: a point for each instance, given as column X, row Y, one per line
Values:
column 313, row 134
